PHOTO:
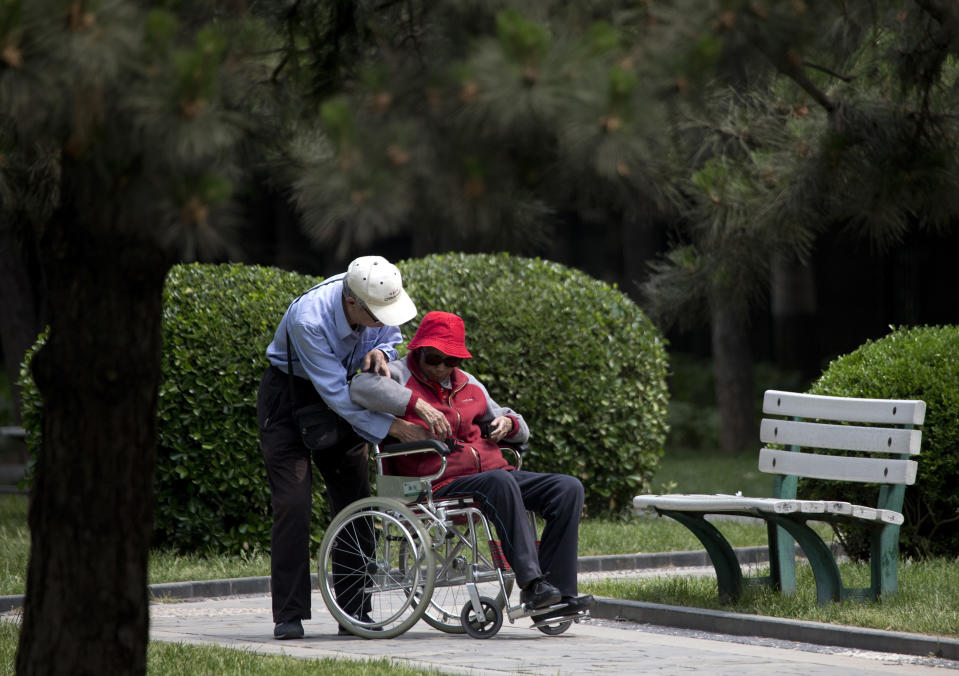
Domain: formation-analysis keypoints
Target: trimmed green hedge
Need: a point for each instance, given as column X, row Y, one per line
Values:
column 911, row 363
column 576, row 357
column 211, row 484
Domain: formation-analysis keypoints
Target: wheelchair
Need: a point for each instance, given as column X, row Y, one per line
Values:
column 404, row 555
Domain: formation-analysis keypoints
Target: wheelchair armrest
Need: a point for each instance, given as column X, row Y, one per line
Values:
column 516, row 449
column 407, row 447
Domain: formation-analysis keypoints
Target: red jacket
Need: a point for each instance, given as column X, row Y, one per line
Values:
column 466, row 404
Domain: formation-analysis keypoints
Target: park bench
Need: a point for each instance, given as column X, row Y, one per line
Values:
column 805, row 445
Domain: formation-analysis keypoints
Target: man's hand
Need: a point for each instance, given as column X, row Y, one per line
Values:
column 499, row 428
column 407, row 431
column 376, row 361
column 437, row 422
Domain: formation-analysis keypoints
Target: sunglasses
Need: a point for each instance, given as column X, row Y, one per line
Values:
column 437, row 358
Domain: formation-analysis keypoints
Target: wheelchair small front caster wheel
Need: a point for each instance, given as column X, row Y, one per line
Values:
column 555, row 629
column 485, row 625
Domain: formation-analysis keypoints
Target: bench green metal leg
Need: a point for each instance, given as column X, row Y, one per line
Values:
column 823, row 563
column 729, row 575
column 782, row 559
column 884, row 561
column 884, row 548
column 782, row 550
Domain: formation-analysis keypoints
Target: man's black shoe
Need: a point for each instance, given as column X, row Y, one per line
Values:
column 287, row 630
column 571, row 605
column 539, row 594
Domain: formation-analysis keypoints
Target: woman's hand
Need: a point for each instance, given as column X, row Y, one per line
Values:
column 437, row 422
column 500, row 428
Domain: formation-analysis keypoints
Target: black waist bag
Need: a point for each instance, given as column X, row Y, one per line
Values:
column 319, row 425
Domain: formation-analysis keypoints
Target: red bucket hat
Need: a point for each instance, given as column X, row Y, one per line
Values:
column 444, row 331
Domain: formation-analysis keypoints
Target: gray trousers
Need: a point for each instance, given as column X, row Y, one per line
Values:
column 505, row 496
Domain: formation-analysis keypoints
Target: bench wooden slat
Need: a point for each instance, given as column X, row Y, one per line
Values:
column 846, row 509
column 840, row 437
column 816, row 406
column 719, row 504
column 839, row 468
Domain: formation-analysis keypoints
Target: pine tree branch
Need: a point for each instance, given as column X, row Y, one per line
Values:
column 941, row 41
column 789, row 64
column 274, row 77
column 828, row 71
column 800, row 78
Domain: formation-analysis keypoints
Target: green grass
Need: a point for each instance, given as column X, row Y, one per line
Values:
column 9, row 634
column 168, row 566
column 173, row 659
column 176, row 658
column 927, row 601
column 655, row 534
column 684, row 470
column 14, row 544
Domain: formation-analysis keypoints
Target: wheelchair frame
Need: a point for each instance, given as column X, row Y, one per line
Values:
column 421, row 558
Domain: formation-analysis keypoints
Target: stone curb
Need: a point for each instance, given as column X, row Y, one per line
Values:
column 739, row 624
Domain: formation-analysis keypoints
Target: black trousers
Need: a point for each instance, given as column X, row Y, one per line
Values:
column 345, row 470
column 505, row 496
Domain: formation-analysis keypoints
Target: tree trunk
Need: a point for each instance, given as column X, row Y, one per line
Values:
column 91, row 506
column 793, row 305
column 733, row 372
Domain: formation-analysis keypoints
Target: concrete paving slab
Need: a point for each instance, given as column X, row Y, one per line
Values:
column 592, row 646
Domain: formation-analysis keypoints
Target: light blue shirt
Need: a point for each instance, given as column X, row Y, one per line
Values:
column 325, row 349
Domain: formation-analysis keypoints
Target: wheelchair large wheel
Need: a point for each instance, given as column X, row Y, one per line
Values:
column 375, row 568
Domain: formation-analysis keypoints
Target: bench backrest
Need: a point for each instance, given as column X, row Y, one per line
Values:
column 814, row 425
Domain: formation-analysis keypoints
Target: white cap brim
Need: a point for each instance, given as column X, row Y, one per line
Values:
column 399, row 311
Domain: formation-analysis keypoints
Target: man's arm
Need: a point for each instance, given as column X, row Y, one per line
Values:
column 328, row 375
column 378, row 393
column 391, row 396
column 376, row 360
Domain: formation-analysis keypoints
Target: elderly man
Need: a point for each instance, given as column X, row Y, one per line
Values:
column 344, row 324
column 429, row 374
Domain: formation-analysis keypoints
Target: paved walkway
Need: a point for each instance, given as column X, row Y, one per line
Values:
column 592, row 646
column 236, row 614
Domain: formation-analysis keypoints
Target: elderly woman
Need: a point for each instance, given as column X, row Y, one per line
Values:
column 436, row 399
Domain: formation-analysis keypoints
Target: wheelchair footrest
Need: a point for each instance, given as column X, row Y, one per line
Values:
column 519, row 612
column 549, row 621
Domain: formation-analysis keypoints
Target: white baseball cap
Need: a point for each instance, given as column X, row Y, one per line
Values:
column 377, row 283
